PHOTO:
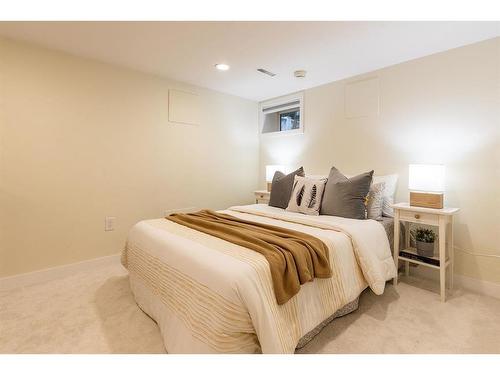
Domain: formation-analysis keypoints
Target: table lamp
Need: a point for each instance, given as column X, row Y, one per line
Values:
column 426, row 185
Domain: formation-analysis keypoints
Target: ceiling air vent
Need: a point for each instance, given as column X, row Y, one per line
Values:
column 270, row 74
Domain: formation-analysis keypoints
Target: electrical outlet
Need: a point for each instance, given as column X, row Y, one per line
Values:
column 109, row 223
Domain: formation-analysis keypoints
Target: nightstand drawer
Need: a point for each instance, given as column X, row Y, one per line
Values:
column 262, row 196
column 419, row 217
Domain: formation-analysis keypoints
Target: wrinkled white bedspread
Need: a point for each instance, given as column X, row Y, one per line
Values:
column 210, row 296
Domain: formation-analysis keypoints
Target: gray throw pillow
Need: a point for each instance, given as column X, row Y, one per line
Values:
column 281, row 188
column 346, row 197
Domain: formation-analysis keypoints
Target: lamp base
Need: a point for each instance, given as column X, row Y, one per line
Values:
column 428, row 200
column 269, row 184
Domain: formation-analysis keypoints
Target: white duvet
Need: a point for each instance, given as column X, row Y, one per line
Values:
column 208, row 295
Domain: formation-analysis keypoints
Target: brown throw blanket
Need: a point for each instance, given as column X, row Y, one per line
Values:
column 294, row 257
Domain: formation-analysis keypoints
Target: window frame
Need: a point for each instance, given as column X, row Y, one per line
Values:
column 282, row 104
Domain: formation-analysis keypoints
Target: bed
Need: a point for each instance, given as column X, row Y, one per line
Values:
column 212, row 296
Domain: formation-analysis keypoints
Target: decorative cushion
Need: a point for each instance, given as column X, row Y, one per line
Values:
column 375, row 201
column 391, row 182
column 344, row 196
column 306, row 195
column 281, row 188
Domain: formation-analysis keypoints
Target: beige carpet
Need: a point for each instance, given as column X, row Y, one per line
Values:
column 94, row 312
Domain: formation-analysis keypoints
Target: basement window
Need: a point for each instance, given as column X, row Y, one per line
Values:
column 289, row 120
column 282, row 115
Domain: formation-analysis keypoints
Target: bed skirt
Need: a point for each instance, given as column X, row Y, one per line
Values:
column 347, row 309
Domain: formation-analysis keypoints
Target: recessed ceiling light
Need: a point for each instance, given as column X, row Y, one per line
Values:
column 222, row 66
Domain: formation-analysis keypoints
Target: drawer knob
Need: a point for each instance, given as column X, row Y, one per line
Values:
column 417, row 216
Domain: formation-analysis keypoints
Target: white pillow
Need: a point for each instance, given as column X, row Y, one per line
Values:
column 317, row 176
column 306, row 195
column 375, row 201
column 391, row 182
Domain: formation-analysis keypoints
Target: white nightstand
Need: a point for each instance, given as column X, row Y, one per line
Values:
column 262, row 196
column 441, row 218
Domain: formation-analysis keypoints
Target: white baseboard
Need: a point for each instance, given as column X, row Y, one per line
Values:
column 478, row 286
column 36, row 277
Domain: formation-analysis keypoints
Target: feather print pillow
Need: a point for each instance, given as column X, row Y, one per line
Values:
column 306, row 195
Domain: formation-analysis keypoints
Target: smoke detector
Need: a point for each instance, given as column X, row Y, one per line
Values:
column 300, row 73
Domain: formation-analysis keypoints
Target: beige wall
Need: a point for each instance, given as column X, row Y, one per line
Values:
column 443, row 108
column 81, row 140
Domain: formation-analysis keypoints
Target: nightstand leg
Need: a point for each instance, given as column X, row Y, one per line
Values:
column 451, row 253
column 396, row 245
column 407, row 245
column 442, row 257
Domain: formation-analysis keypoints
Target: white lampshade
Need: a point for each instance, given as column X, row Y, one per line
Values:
column 272, row 169
column 426, row 177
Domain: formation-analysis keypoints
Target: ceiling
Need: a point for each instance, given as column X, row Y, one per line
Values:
column 187, row 51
